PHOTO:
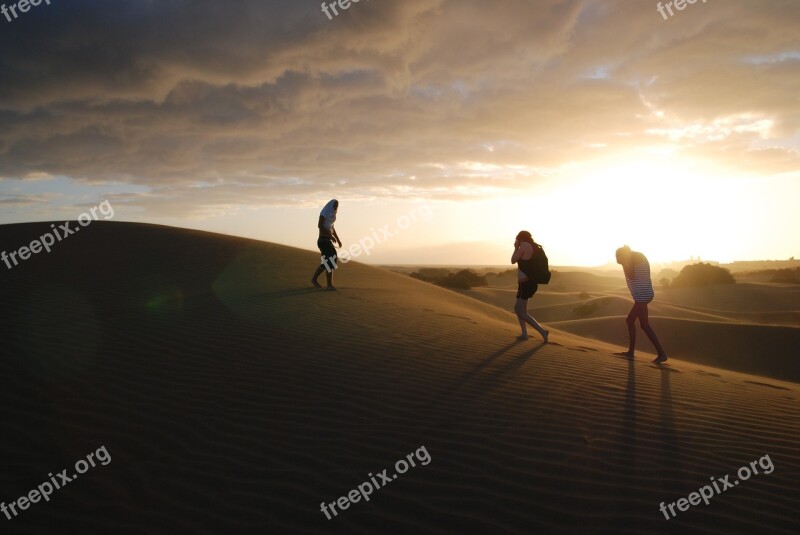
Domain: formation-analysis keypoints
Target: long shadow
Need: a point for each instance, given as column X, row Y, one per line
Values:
column 669, row 436
column 487, row 383
column 622, row 482
column 480, row 387
column 629, row 414
column 624, row 459
column 473, row 372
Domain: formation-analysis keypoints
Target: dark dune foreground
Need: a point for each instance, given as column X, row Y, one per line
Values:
column 234, row 399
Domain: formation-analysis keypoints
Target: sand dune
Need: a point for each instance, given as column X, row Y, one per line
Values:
column 584, row 282
column 770, row 351
column 233, row 398
column 742, row 297
column 555, row 306
column 751, row 328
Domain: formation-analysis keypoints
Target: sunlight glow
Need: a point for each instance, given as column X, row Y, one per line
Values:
column 668, row 207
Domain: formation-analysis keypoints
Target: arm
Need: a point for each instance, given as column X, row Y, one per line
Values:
column 520, row 252
column 336, row 236
column 517, row 253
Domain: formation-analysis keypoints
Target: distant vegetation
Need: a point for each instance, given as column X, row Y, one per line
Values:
column 666, row 276
column 702, row 275
column 791, row 276
column 584, row 309
column 461, row 280
column 503, row 278
column 509, row 278
column 590, row 307
column 763, row 265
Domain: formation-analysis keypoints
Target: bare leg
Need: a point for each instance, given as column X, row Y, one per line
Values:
column 644, row 321
column 521, row 308
column 329, row 275
column 631, row 322
column 317, row 273
column 329, row 264
column 518, row 309
column 535, row 324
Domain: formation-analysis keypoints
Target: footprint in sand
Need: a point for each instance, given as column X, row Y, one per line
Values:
column 703, row 372
column 458, row 317
column 776, row 387
column 664, row 367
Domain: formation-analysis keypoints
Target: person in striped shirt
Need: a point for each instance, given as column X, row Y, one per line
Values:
column 637, row 275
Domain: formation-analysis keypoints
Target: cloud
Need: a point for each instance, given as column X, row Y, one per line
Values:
column 23, row 200
column 268, row 102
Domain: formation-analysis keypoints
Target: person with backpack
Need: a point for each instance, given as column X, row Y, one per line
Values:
column 530, row 258
column 637, row 276
column 327, row 234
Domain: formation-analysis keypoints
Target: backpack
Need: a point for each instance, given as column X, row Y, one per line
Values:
column 537, row 268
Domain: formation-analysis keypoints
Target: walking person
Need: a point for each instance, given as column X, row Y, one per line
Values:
column 637, row 275
column 524, row 250
column 327, row 235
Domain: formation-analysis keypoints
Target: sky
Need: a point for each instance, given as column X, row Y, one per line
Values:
column 443, row 127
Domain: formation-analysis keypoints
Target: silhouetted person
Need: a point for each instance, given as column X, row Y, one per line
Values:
column 637, row 275
column 327, row 234
column 523, row 254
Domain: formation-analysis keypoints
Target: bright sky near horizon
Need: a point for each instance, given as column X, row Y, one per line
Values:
column 590, row 123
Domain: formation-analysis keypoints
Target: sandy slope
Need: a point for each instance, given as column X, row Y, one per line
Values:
column 234, row 399
column 751, row 328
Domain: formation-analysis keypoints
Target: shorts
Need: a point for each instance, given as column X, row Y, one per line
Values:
column 328, row 251
column 525, row 290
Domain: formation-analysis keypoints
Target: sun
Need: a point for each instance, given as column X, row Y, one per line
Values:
column 669, row 208
column 664, row 205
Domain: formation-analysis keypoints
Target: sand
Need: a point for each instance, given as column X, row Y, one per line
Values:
column 233, row 398
column 750, row 328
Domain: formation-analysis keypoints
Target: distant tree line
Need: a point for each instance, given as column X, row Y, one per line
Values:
column 792, row 276
column 460, row 280
column 700, row 274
